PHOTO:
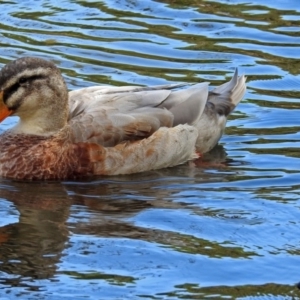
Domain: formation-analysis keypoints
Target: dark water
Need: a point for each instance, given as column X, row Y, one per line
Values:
column 226, row 229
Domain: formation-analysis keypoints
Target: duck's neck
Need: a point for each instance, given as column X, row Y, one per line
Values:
column 45, row 121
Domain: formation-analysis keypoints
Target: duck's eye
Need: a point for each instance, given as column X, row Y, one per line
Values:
column 22, row 80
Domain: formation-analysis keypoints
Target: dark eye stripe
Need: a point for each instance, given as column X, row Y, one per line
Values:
column 7, row 93
column 22, row 80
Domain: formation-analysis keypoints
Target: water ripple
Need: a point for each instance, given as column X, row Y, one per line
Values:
column 222, row 227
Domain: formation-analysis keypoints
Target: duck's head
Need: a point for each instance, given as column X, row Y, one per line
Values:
column 34, row 90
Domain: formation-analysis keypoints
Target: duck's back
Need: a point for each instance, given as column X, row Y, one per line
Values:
column 111, row 115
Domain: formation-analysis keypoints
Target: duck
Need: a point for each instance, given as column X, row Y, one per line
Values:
column 105, row 130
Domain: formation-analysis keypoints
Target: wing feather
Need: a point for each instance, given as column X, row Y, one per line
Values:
column 111, row 115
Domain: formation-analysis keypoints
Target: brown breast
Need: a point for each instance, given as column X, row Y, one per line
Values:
column 28, row 157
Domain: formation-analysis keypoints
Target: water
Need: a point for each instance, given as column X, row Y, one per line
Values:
column 226, row 228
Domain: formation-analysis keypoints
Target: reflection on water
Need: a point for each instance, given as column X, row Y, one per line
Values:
column 225, row 226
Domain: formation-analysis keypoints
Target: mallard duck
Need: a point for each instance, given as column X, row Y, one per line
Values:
column 104, row 130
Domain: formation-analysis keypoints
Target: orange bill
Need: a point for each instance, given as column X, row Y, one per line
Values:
column 4, row 111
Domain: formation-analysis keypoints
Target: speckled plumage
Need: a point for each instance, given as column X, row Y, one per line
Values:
column 105, row 130
column 34, row 157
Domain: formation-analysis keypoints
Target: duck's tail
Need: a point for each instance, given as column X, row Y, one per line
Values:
column 220, row 103
column 227, row 96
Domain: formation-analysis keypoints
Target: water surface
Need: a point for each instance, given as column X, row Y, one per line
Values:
column 227, row 227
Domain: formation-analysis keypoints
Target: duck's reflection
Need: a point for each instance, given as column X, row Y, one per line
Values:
column 33, row 246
